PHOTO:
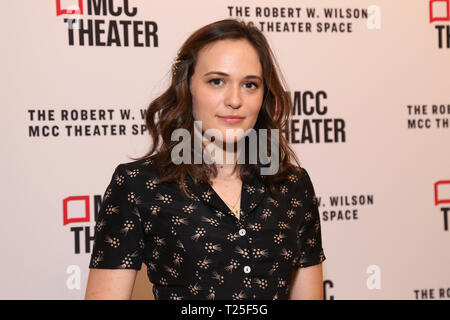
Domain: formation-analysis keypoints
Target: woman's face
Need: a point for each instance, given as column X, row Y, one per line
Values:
column 227, row 81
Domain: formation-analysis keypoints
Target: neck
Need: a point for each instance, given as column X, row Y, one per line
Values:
column 225, row 172
column 224, row 155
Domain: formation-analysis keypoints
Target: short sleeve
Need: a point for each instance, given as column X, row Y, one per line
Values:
column 310, row 240
column 118, row 237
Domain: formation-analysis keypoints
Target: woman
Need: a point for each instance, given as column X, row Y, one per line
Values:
column 221, row 230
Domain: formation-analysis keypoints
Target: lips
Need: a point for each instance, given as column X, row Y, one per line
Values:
column 231, row 119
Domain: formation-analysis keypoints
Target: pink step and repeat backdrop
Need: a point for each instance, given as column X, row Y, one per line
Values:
column 371, row 86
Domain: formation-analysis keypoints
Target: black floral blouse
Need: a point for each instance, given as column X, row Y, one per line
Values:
column 197, row 248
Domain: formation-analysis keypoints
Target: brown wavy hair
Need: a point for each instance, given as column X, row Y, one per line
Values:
column 173, row 109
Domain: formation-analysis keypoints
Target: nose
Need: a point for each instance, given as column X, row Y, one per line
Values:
column 233, row 97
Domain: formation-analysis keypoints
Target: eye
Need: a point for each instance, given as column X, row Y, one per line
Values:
column 214, row 81
column 251, row 83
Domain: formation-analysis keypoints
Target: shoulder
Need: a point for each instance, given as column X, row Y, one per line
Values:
column 137, row 182
column 138, row 176
column 298, row 176
column 142, row 168
column 301, row 184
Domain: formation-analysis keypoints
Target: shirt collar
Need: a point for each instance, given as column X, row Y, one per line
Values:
column 252, row 193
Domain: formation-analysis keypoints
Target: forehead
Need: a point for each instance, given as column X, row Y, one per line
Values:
column 230, row 56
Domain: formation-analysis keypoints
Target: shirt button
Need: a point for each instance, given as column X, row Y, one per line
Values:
column 242, row 232
column 247, row 269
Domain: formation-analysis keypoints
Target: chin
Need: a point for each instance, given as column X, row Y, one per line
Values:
column 234, row 137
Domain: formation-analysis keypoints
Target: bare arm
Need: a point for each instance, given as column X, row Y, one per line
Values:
column 110, row 284
column 307, row 283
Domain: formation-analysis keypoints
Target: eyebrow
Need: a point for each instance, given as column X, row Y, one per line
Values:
column 226, row 75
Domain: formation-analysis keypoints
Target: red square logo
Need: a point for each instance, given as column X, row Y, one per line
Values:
column 70, row 10
column 81, row 218
column 439, row 10
column 442, row 192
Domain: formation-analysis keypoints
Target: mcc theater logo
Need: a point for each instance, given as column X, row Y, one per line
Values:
column 442, row 197
column 76, row 212
column 107, row 24
column 440, row 12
